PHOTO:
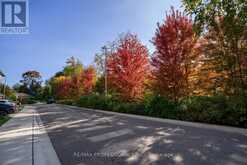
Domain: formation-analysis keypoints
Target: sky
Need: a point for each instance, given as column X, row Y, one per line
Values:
column 60, row 29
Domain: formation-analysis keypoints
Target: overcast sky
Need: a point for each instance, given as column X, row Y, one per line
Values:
column 63, row 28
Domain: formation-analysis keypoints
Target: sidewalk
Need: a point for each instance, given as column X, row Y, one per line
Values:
column 24, row 141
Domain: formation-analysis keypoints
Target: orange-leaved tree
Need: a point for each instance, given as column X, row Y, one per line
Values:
column 88, row 79
column 128, row 67
column 175, row 56
column 74, row 81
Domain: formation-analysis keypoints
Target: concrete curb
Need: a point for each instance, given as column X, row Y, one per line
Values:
column 228, row 129
column 44, row 153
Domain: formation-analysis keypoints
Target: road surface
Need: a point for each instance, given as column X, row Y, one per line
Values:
column 86, row 137
column 89, row 137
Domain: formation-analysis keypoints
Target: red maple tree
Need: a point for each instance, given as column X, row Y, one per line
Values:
column 127, row 68
column 174, row 41
column 88, row 79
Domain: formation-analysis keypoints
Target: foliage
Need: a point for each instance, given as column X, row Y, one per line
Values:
column 73, row 67
column 89, row 79
column 31, row 100
column 67, row 102
column 9, row 92
column 12, row 96
column 3, row 119
column 46, row 91
column 111, row 104
column 60, row 87
column 224, row 25
column 2, row 74
column 93, row 101
column 198, row 70
column 215, row 109
column 205, row 13
column 100, row 85
column 173, row 60
column 127, row 68
column 31, row 82
column 158, row 106
column 73, row 81
column 66, row 84
column 208, row 109
column 226, row 60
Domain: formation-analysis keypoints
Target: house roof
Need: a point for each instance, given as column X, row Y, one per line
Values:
column 22, row 95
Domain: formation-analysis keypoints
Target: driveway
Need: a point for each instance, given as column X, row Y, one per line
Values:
column 87, row 137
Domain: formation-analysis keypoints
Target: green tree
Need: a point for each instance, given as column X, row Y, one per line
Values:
column 31, row 82
column 2, row 74
column 9, row 92
column 100, row 85
column 73, row 67
column 223, row 24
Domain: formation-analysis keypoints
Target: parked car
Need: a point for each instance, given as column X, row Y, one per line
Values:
column 4, row 101
column 6, row 108
column 50, row 101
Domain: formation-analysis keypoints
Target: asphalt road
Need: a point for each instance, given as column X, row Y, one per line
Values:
column 84, row 137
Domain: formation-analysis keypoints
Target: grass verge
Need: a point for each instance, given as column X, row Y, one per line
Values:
column 4, row 119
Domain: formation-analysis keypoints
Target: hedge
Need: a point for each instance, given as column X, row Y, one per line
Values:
column 214, row 109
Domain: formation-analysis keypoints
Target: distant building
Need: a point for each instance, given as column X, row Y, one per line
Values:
column 22, row 97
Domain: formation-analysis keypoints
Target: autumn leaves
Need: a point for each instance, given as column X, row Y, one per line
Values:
column 184, row 63
column 175, row 54
column 128, row 68
column 168, row 71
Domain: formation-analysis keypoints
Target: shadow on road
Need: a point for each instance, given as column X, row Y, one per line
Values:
column 84, row 137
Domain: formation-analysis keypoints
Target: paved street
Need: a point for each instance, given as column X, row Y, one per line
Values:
column 86, row 137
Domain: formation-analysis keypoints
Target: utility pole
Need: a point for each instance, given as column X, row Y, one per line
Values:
column 4, row 87
column 5, row 82
column 105, row 52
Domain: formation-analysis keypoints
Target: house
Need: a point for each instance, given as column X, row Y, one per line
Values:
column 22, row 97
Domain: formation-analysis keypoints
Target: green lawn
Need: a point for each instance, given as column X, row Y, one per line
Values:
column 3, row 119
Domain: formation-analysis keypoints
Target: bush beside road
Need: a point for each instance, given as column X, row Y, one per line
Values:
column 215, row 110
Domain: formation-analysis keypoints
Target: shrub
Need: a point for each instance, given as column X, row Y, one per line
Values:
column 30, row 100
column 94, row 101
column 132, row 108
column 214, row 109
column 109, row 103
column 67, row 102
column 160, row 107
column 12, row 97
column 236, row 112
